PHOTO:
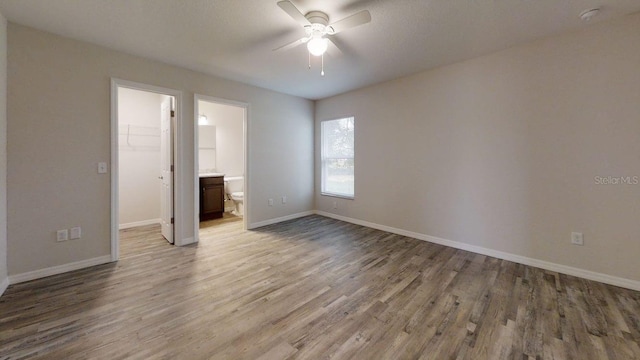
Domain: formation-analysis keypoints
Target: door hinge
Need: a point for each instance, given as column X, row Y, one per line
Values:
column 173, row 113
column 172, row 219
column 171, row 168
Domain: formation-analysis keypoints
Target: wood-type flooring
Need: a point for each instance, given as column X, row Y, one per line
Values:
column 313, row 288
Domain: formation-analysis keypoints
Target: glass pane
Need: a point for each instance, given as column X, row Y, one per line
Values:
column 338, row 138
column 339, row 177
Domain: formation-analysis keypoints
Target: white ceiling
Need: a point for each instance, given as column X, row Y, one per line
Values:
column 234, row 38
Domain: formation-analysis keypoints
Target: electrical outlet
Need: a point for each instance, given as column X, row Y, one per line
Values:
column 270, row 202
column 577, row 239
column 76, row 233
column 284, row 199
column 335, row 204
column 62, row 235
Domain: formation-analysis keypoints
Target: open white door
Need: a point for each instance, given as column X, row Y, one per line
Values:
column 166, row 176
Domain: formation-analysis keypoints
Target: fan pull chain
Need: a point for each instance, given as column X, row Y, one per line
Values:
column 322, row 64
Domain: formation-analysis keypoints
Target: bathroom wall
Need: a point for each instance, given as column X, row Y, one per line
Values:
column 228, row 121
column 206, row 140
column 507, row 153
column 139, row 157
column 206, row 147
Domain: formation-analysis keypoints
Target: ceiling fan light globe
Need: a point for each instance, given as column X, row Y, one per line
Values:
column 317, row 46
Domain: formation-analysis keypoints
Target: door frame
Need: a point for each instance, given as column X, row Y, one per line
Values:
column 177, row 165
column 245, row 140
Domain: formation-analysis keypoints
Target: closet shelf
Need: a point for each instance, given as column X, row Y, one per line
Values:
column 136, row 135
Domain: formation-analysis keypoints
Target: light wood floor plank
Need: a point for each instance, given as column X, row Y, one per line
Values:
column 313, row 288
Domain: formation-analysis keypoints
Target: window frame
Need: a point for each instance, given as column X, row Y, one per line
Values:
column 323, row 159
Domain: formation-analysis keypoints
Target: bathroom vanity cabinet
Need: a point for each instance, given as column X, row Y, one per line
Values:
column 211, row 197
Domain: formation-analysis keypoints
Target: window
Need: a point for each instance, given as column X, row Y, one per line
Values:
column 337, row 157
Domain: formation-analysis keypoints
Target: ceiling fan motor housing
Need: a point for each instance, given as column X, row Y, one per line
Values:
column 317, row 17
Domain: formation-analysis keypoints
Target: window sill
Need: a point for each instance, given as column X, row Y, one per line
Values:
column 347, row 197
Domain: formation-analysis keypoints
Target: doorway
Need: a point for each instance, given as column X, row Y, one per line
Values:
column 143, row 148
column 221, row 168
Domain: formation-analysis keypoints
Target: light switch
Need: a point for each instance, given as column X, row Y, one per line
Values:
column 102, row 167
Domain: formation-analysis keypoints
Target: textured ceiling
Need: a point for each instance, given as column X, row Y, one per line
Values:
column 234, row 38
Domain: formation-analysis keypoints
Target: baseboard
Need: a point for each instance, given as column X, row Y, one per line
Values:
column 55, row 270
column 4, row 284
column 139, row 223
column 280, row 219
column 568, row 270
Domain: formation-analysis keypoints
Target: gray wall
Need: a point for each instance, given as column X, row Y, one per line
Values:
column 4, row 282
column 59, row 129
column 502, row 151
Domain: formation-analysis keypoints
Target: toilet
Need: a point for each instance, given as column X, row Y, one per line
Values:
column 238, row 200
column 235, row 191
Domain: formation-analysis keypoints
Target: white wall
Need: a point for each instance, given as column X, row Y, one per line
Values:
column 228, row 121
column 4, row 280
column 502, row 151
column 139, row 156
column 59, row 129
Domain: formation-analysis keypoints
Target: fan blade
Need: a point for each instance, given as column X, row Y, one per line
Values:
column 293, row 11
column 333, row 50
column 293, row 44
column 354, row 20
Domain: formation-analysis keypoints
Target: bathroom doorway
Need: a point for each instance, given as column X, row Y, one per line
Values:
column 221, row 179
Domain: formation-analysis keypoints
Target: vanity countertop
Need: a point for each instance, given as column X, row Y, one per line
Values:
column 211, row 175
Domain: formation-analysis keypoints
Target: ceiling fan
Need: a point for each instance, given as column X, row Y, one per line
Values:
column 318, row 29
